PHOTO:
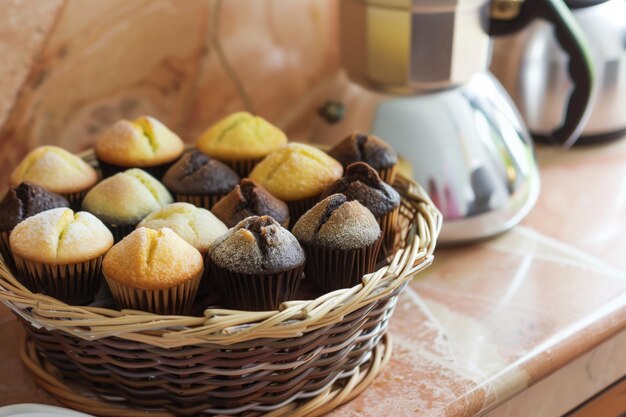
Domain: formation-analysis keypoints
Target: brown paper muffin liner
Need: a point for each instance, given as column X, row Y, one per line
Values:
column 202, row 201
column 120, row 231
column 75, row 199
column 5, row 251
column 389, row 229
column 298, row 207
column 389, row 174
column 256, row 292
column 243, row 167
column 157, row 171
column 75, row 284
column 333, row 269
column 175, row 300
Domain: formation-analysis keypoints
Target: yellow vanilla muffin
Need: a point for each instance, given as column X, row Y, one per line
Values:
column 141, row 143
column 241, row 140
column 197, row 226
column 60, row 236
column 124, row 199
column 296, row 171
column 58, row 171
column 153, row 270
column 59, row 253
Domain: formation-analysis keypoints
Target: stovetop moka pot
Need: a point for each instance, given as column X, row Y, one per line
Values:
column 417, row 77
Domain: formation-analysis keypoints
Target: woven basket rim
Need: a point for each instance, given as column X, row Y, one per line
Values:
column 223, row 326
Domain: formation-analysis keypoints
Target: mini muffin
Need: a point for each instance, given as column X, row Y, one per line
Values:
column 59, row 253
column 362, row 183
column 123, row 200
column 20, row 203
column 197, row 179
column 142, row 143
column 297, row 174
column 341, row 239
column 250, row 199
column 241, row 140
column 58, row 171
column 197, row 226
column 258, row 264
column 370, row 149
column 154, row 271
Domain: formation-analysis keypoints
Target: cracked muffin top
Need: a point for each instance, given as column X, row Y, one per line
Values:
column 257, row 245
column 241, row 136
column 56, row 170
column 126, row 198
column 296, row 171
column 362, row 183
column 197, row 174
column 197, row 226
column 60, row 236
column 250, row 199
column 26, row 200
column 152, row 259
column 337, row 223
column 359, row 147
column 143, row 142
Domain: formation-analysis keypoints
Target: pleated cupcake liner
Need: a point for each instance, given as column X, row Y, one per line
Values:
column 157, row 171
column 75, row 199
column 5, row 251
column 332, row 269
column 120, row 231
column 256, row 292
column 175, row 300
column 243, row 167
column 389, row 229
column 389, row 174
column 298, row 207
column 202, row 201
column 75, row 284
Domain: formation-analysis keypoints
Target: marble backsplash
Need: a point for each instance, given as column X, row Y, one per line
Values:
column 72, row 67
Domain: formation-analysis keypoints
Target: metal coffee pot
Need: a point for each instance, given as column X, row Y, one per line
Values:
column 533, row 68
column 416, row 75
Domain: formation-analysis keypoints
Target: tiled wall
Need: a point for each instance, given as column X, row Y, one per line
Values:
column 72, row 67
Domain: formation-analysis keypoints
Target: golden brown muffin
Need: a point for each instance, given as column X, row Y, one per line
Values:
column 56, row 170
column 197, row 226
column 152, row 259
column 155, row 271
column 141, row 143
column 241, row 136
column 126, row 198
column 59, row 253
column 60, row 236
column 296, row 171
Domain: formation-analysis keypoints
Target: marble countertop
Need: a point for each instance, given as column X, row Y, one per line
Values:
column 488, row 321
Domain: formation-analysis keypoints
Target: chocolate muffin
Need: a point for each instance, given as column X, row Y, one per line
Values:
column 257, row 264
column 250, row 199
column 341, row 239
column 199, row 179
column 362, row 183
column 20, row 203
column 370, row 149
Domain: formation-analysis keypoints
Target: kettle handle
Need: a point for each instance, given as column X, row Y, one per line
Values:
column 573, row 42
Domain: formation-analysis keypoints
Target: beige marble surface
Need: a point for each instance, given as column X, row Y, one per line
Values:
column 484, row 324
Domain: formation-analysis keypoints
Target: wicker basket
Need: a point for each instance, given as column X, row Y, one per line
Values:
column 302, row 357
